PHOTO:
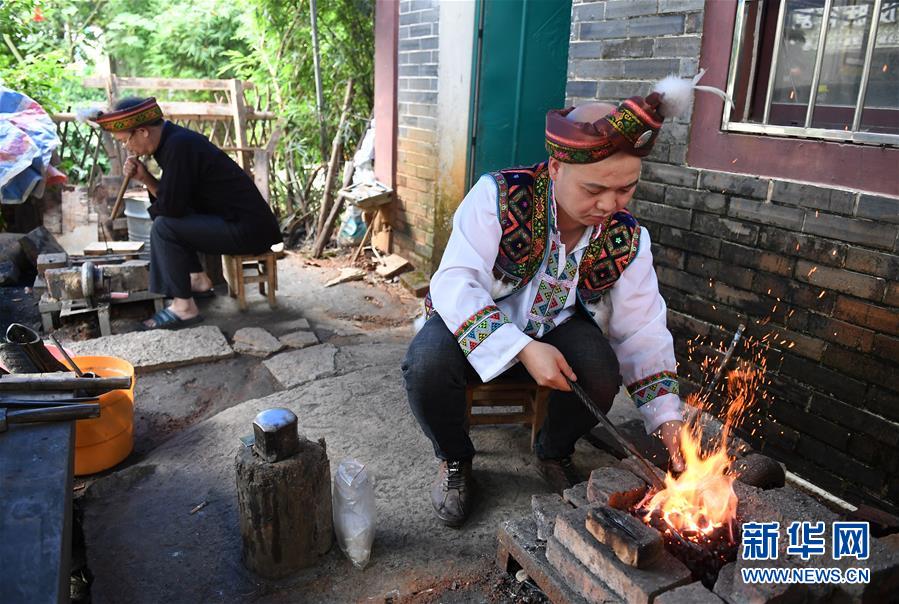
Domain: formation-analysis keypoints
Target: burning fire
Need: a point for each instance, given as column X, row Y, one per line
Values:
column 701, row 500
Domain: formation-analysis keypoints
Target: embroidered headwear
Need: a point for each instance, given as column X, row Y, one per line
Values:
column 122, row 120
column 632, row 127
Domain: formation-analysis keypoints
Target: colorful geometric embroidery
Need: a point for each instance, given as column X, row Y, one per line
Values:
column 523, row 200
column 654, row 386
column 478, row 327
column 123, row 120
column 607, row 256
column 573, row 155
column 552, row 293
column 429, row 306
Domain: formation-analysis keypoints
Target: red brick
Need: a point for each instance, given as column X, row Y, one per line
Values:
column 614, row 487
column 861, row 313
column 694, row 593
column 639, row 551
column 576, row 574
column 638, row 585
column 861, row 366
column 840, row 332
column 886, row 347
column 847, row 282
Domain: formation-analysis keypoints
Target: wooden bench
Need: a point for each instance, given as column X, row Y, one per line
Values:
column 528, row 396
column 247, row 269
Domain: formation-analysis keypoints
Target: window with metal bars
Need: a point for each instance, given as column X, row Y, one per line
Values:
column 823, row 69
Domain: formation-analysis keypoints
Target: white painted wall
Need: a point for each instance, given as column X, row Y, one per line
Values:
column 457, row 28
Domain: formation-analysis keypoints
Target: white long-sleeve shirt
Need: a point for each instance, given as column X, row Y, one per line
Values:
column 492, row 329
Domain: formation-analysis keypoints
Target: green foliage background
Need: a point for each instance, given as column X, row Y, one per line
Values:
column 267, row 42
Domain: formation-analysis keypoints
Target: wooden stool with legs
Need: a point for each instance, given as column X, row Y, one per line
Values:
column 247, row 269
column 527, row 396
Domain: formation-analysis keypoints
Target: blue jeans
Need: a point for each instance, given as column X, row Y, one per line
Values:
column 436, row 373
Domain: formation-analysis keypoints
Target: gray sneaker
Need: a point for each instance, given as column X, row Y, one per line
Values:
column 451, row 493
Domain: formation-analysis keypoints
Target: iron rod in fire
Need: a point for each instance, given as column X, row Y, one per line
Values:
column 630, row 448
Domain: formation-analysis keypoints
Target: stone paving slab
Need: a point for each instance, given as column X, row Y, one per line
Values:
column 159, row 348
column 298, row 367
column 299, row 339
column 256, row 341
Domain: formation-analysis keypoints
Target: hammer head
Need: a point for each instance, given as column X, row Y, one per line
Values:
column 276, row 434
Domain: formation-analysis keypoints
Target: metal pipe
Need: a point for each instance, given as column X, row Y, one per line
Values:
column 772, row 75
column 819, row 59
column 866, row 70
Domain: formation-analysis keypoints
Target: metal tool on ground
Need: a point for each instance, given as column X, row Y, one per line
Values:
column 55, row 382
column 47, row 414
column 52, row 402
column 69, row 360
column 619, row 438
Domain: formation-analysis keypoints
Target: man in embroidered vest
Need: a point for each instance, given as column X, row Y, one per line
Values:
column 547, row 275
column 203, row 202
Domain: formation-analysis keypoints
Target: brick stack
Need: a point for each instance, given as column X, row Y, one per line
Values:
column 586, row 547
column 822, row 263
column 416, row 171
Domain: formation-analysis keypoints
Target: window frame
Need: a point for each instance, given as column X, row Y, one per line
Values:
column 865, row 167
column 767, row 61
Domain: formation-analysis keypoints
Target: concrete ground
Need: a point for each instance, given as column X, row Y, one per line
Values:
column 143, row 542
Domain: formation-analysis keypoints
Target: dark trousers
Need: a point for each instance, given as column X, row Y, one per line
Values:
column 174, row 243
column 436, row 373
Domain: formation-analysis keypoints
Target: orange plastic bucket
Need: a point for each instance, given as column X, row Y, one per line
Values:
column 104, row 441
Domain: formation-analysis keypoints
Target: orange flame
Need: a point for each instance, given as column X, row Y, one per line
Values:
column 702, row 498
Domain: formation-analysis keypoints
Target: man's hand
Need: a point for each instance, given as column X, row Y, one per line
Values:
column 670, row 434
column 135, row 169
column 547, row 365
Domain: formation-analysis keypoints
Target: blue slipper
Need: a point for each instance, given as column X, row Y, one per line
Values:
column 166, row 319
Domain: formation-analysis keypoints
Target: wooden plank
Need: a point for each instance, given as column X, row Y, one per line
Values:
column 100, row 248
column 393, row 265
column 518, row 547
column 482, row 419
column 163, row 83
column 239, row 112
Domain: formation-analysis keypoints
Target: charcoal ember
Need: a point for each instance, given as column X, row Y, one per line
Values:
column 759, row 471
column 703, row 554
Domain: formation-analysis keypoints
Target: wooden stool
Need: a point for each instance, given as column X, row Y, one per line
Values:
column 529, row 396
column 253, row 268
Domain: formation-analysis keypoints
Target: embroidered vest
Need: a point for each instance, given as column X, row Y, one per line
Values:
column 523, row 209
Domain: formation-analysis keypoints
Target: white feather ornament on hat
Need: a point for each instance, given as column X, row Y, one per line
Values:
column 87, row 114
column 676, row 93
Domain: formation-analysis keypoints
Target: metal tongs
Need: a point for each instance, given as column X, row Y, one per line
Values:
column 628, row 446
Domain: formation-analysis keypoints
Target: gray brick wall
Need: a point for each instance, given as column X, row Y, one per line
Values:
column 814, row 267
column 417, row 61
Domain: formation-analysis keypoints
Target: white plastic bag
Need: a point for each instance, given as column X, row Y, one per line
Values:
column 354, row 511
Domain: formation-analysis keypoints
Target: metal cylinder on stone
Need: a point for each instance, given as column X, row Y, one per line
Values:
column 283, row 497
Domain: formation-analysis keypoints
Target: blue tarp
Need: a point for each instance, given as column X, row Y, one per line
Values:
column 27, row 141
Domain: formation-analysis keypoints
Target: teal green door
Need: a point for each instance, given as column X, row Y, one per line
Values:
column 520, row 68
